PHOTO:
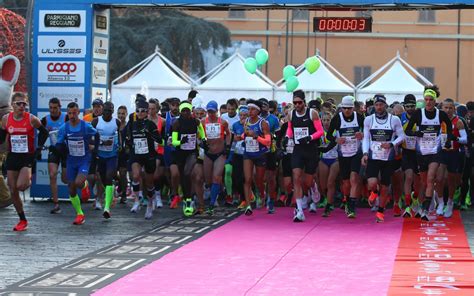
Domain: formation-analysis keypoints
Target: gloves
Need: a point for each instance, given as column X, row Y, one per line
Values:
column 284, row 142
column 38, row 153
column 184, row 139
column 305, row 140
column 204, row 145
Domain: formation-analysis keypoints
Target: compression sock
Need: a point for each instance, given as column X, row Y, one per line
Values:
column 109, row 196
column 215, row 188
column 76, row 203
column 228, row 179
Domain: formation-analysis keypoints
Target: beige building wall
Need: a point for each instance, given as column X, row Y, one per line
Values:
column 431, row 42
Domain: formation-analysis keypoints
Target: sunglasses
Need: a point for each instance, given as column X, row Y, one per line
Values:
column 19, row 104
column 297, row 102
column 346, row 108
column 142, row 110
column 410, row 106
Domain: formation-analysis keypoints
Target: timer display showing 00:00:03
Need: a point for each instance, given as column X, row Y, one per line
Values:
column 342, row 24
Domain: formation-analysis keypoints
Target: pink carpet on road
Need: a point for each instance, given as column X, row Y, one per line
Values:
column 270, row 255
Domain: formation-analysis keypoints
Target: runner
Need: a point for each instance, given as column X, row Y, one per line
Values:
column 20, row 126
column 153, row 115
column 397, row 176
column 257, row 141
column 452, row 161
column 286, row 189
column 328, row 166
column 383, row 133
column 74, row 138
column 305, row 128
column 428, row 121
column 140, row 137
column 52, row 122
column 186, row 131
column 198, row 172
column 171, row 117
column 230, row 117
column 122, row 157
column 238, row 128
column 107, row 143
column 348, row 126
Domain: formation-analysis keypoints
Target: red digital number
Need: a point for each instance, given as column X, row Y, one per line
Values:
column 345, row 25
column 330, row 25
column 362, row 25
column 353, row 25
column 322, row 25
column 338, row 25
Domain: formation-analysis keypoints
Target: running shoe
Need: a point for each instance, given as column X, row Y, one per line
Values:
column 372, row 197
column 419, row 213
column 56, row 209
column 248, row 211
column 379, row 217
column 440, row 208
column 136, row 207
column 271, row 206
column 188, row 207
column 327, row 210
column 175, row 202
column 149, row 212
column 312, row 207
column 407, row 213
column 281, row 201
column 85, row 193
column 424, row 216
column 210, row 211
column 158, row 201
column 298, row 216
column 22, row 225
column 98, row 205
column 342, row 206
column 80, row 219
column 448, row 212
column 106, row 214
column 464, row 208
column 351, row 214
column 242, row 205
column 229, row 200
column 397, row 212
column 259, row 202
column 322, row 203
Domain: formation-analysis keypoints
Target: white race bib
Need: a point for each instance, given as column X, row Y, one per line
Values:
column 428, row 143
column 141, row 145
column 444, row 139
column 290, row 146
column 410, row 142
column 76, row 147
column 350, row 146
column 251, row 145
column 191, row 144
column 53, row 137
column 238, row 148
column 19, row 143
column 300, row 132
column 213, row 131
column 378, row 152
column 331, row 154
column 107, row 143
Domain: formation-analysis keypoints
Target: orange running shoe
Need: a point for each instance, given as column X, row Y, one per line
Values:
column 80, row 219
column 242, row 205
column 379, row 217
column 21, row 226
column 397, row 212
column 229, row 200
column 372, row 197
column 85, row 193
column 175, row 202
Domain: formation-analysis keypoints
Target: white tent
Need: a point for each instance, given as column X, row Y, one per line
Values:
column 230, row 80
column 395, row 82
column 325, row 80
column 154, row 77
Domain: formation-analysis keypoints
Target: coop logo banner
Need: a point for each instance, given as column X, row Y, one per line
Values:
column 62, row 21
column 65, row 95
column 61, row 72
column 62, row 46
column 101, row 48
column 99, row 73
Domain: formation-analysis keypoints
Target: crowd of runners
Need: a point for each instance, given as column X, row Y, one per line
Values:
column 415, row 157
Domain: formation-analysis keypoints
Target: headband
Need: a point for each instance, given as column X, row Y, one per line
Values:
column 253, row 106
column 430, row 93
column 185, row 105
column 243, row 109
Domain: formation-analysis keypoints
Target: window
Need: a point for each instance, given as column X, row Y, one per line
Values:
column 364, row 13
column 239, row 14
column 361, row 72
column 426, row 16
column 427, row 72
column 300, row 14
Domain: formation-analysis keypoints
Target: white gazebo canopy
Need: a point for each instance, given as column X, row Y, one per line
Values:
column 230, row 80
column 325, row 80
column 394, row 81
column 154, row 77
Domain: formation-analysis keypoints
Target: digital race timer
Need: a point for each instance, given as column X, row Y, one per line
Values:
column 342, row 24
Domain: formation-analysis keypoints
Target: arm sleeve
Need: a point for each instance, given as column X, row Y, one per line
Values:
column 397, row 124
column 366, row 140
column 463, row 137
column 289, row 130
column 415, row 119
column 174, row 139
column 43, row 121
column 319, row 129
column 266, row 140
column 334, row 125
column 42, row 136
column 201, row 133
column 444, row 118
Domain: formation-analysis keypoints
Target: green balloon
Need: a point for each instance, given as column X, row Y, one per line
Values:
column 291, row 83
column 261, row 56
column 420, row 104
column 251, row 65
column 312, row 64
column 288, row 71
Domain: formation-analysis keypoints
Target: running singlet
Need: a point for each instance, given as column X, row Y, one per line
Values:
column 238, row 129
column 444, row 136
column 331, row 154
column 108, row 138
column 214, row 130
column 230, row 120
column 21, row 134
column 253, row 148
column 77, row 140
column 381, row 131
column 188, row 128
column 302, row 127
column 348, row 130
column 430, row 143
column 410, row 141
column 53, row 127
column 142, row 143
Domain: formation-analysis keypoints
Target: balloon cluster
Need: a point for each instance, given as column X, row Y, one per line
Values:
column 251, row 64
column 289, row 72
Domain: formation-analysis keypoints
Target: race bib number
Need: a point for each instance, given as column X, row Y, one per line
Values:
column 239, row 149
column 141, row 145
column 53, row 137
column 191, row 144
column 349, row 147
column 444, row 139
column 213, row 131
column 251, row 145
column 428, row 143
column 19, row 143
column 106, row 143
column 300, row 132
column 77, row 147
column 290, row 147
column 410, row 142
column 378, row 152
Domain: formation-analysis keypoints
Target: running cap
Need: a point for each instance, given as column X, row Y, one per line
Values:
column 409, row 100
column 185, row 105
column 347, row 102
column 380, row 98
column 212, row 106
column 98, row 102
